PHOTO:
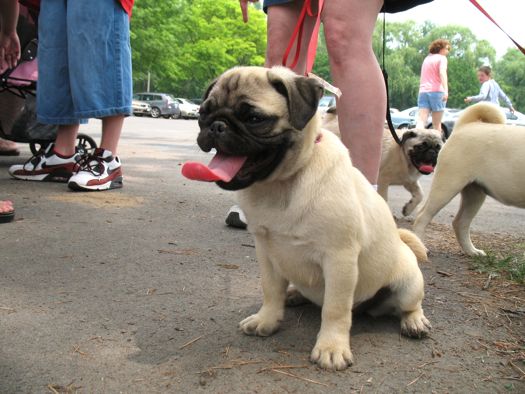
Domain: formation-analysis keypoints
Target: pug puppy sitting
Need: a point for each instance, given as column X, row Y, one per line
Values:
column 401, row 164
column 317, row 222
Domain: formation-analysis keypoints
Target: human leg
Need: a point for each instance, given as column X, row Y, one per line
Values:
column 348, row 26
column 99, row 59
column 111, row 130
column 437, row 116
column 437, row 105
column 281, row 23
column 109, row 94
column 282, row 20
column 422, row 117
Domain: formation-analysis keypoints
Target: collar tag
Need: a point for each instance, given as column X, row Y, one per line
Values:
column 327, row 86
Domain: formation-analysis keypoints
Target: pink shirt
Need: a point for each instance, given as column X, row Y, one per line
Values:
column 430, row 73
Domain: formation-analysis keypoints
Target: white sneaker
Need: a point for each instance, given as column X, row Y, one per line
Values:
column 236, row 218
column 46, row 165
column 98, row 171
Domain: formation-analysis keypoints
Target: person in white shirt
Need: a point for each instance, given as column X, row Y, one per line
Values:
column 490, row 90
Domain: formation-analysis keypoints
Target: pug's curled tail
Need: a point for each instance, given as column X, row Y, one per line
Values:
column 415, row 244
column 481, row 112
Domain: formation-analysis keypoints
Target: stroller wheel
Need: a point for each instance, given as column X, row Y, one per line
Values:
column 85, row 144
column 37, row 146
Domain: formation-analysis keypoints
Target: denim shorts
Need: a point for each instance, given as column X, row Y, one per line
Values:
column 432, row 101
column 84, row 61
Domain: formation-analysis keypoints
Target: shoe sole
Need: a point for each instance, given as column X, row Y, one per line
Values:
column 114, row 184
column 51, row 177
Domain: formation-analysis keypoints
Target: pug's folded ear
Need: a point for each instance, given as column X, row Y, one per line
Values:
column 302, row 95
column 209, row 88
column 407, row 135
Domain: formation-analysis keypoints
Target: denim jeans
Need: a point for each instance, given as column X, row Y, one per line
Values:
column 84, row 61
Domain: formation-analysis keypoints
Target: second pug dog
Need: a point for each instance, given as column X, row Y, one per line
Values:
column 401, row 165
column 483, row 156
column 317, row 222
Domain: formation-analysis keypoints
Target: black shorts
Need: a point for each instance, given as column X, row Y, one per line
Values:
column 389, row 6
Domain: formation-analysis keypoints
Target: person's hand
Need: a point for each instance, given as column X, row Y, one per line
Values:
column 244, row 8
column 445, row 97
column 9, row 50
column 468, row 100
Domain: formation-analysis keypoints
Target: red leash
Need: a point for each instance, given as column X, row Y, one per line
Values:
column 479, row 7
column 297, row 36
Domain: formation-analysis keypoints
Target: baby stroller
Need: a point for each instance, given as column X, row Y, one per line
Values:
column 18, row 95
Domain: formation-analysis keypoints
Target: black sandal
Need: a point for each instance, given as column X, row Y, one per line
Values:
column 7, row 217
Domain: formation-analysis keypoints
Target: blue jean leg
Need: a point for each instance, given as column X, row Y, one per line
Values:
column 99, row 58
column 54, row 101
column 84, row 61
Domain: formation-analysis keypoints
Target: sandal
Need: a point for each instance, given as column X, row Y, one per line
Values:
column 6, row 217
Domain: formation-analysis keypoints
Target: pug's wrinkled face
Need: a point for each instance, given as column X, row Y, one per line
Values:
column 252, row 116
column 422, row 147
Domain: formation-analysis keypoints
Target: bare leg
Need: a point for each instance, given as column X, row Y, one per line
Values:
column 436, row 119
column 281, row 24
column 349, row 25
column 65, row 140
column 422, row 118
column 111, row 130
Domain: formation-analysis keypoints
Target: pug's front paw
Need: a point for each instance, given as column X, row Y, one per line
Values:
column 333, row 355
column 258, row 325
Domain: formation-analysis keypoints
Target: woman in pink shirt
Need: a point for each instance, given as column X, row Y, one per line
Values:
column 433, row 86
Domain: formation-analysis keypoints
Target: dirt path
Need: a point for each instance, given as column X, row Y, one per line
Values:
column 141, row 291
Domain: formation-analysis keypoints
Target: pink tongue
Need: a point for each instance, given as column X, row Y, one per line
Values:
column 426, row 168
column 221, row 168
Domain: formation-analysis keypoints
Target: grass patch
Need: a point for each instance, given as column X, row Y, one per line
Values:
column 510, row 266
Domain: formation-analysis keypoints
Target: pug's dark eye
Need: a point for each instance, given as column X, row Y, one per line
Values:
column 253, row 119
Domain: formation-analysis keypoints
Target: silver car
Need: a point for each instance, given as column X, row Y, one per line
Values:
column 162, row 104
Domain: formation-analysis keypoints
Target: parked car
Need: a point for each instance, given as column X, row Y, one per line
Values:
column 408, row 119
column 187, row 108
column 326, row 102
column 516, row 118
column 140, row 108
column 197, row 100
column 162, row 104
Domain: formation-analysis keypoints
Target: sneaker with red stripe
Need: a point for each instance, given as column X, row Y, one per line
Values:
column 98, row 171
column 46, row 165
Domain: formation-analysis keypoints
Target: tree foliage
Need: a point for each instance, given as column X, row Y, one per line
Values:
column 185, row 44
column 510, row 74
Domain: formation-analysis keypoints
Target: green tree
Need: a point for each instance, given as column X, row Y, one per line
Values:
column 510, row 74
column 185, row 44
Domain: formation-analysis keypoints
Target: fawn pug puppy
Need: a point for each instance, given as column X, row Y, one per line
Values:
column 318, row 224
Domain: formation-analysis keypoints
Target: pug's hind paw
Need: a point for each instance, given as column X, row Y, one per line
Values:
column 257, row 325
column 295, row 298
column 415, row 325
column 331, row 356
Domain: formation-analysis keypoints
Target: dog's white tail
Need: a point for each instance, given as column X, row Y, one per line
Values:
column 482, row 112
column 414, row 243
